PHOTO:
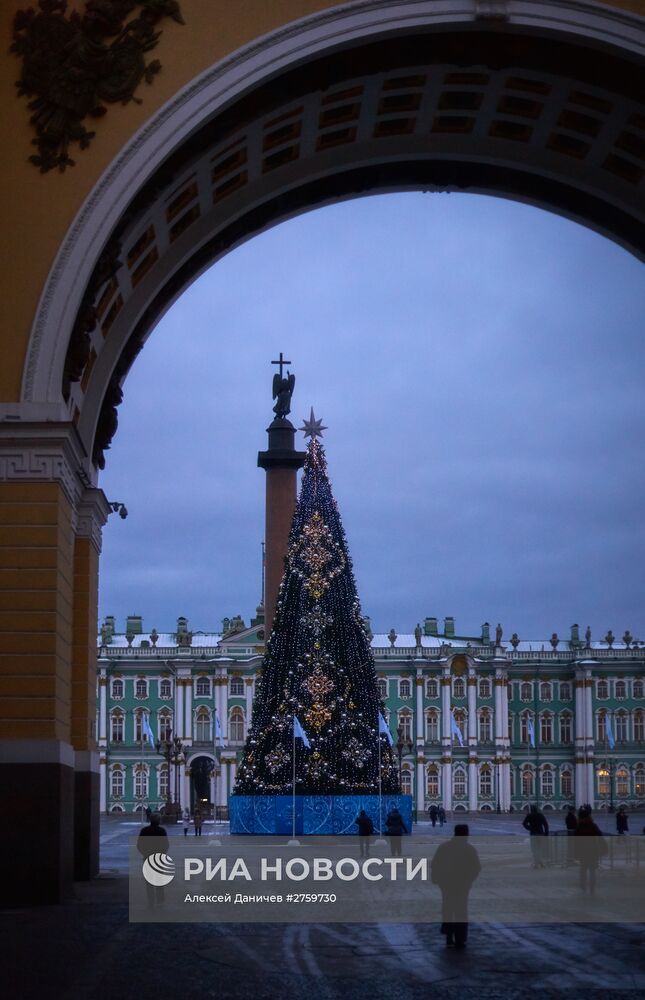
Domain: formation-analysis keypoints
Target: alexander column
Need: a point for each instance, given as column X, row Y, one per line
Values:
column 281, row 462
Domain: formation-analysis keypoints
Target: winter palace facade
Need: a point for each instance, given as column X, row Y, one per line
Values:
column 481, row 723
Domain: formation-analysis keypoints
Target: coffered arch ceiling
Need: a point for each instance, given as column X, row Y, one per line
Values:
column 544, row 116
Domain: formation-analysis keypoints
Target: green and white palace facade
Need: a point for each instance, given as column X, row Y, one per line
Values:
column 557, row 722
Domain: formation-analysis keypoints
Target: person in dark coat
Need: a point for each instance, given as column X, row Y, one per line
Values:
column 395, row 828
column 454, row 868
column 622, row 821
column 153, row 839
column 433, row 813
column 590, row 848
column 365, row 831
column 571, row 823
column 441, row 813
column 535, row 822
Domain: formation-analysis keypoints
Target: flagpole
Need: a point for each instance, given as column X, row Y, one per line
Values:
column 380, row 786
column 293, row 788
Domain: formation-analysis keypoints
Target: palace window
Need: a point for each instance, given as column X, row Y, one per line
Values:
column 565, row 691
column 203, row 726
column 117, row 689
column 432, row 688
column 484, row 688
column 639, row 725
column 459, row 782
column 566, row 728
column 405, row 725
column 165, row 725
column 546, row 728
column 141, row 781
column 165, row 688
column 527, row 782
column 637, row 689
column 639, row 780
column 236, row 725
column 406, row 781
column 545, row 691
column 485, row 780
column 621, row 727
column 621, row 690
column 162, row 780
column 117, row 720
column 602, row 689
column 566, row 782
column 432, row 724
column 405, row 690
column 524, row 727
column 117, row 781
column 603, row 780
column 602, row 726
column 547, row 781
column 237, row 687
column 622, row 782
column 382, row 688
column 138, row 727
column 203, row 687
column 526, row 691
column 485, row 726
column 141, row 688
column 459, row 688
column 433, row 780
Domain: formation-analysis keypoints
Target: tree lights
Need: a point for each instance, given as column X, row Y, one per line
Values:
column 318, row 666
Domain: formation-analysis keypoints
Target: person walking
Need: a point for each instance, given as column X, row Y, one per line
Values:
column 186, row 820
column 454, row 868
column 433, row 814
column 590, row 848
column 622, row 821
column 365, row 831
column 441, row 813
column 395, row 828
column 153, row 839
column 198, row 819
column 535, row 822
column 571, row 823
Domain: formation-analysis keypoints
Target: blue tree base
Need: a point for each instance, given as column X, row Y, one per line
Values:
column 316, row 815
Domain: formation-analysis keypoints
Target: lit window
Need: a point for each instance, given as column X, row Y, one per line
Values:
column 432, row 688
column 432, row 720
column 527, row 782
column 639, row 780
column 236, row 725
column 485, row 780
column 237, row 687
column 622, row 782
column 117, row 689
column 459, row 688
column 203, row 687
column 116, row 727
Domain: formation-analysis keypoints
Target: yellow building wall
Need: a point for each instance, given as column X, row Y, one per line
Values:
column 38, row 209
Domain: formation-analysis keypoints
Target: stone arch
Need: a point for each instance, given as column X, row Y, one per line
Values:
column 536, row 102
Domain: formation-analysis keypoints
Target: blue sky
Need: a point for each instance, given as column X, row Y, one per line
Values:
column 479, row 364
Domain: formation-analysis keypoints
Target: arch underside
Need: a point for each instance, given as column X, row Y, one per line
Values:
column 540, row 119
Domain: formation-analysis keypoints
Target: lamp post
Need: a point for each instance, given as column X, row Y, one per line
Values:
column 172, row 751
column 402, row 747
column 499, row 808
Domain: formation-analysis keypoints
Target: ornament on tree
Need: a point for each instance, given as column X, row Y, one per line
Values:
column 318, row 665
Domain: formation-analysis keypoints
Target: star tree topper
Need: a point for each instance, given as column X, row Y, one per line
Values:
column 312, row 428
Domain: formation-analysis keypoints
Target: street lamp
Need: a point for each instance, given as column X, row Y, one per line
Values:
column 172, row 751
column 402, row 747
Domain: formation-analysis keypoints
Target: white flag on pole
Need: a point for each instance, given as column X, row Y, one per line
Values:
column 218, row 730
column 610, row 733
column 530, row 728
column 147, row 731
column 384, row 729
column 455, row 730
column 299, row 733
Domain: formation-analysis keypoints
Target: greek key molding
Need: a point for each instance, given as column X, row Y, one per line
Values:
column 43, row 453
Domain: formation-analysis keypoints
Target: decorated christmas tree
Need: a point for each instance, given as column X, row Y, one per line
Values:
column 318, row 677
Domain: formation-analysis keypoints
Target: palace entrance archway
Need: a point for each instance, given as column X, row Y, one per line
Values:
column 542, row 102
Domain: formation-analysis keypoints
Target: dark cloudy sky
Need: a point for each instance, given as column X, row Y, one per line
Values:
column 479, row 364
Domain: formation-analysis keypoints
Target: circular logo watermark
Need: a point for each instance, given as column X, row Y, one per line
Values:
column 158, row 869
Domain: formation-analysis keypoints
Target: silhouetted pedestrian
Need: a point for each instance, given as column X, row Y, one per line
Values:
column 365, row 831
column 395, row 829
column 185, row 818
column 454, row 868
column 433, row 814
column 153, row 839
column 590, row 848
column 535, row 822
column 622, row 821
column 198, row 819
column 441, row 813
column 571, row 823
